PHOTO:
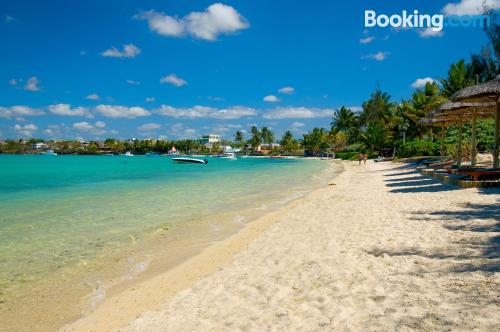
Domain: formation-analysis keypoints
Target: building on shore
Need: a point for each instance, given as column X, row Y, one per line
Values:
column 209, row 140
column 268, row 148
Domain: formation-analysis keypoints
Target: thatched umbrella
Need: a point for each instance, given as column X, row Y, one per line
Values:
column 485, row 92
column 456, row 113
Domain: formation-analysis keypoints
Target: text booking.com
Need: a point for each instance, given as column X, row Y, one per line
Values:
column 414, row 19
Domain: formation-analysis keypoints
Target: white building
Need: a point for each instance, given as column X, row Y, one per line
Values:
column 209, row 140
column 39, row 146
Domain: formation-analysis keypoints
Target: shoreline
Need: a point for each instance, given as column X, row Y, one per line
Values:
column 72, row 291
column 163, row 285
column 384, row 248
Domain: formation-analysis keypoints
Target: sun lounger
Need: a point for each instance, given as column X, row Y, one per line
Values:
column 480, row 173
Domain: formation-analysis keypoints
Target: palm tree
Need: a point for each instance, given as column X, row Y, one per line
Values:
column 316, row 141
column 255, row 137
column 344, row 120
column 458, row 78
column 288, row 143
column 267, row 135
column 377, row 108
column 238, row 137
column 375, row 137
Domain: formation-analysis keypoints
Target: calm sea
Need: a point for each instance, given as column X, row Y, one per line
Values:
column 62, row 211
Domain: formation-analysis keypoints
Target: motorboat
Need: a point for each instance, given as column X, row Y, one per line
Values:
column 186, row 160
column 50, row 153
column 227, row 155
column 128, row 154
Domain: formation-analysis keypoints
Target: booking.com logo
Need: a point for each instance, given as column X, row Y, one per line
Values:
column 435, row 22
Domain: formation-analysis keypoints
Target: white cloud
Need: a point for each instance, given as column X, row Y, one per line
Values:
column 217, row 19
column 8, row 112
column 49, row 132
column 199, row 112
column 83, row 126
column 469, row 7
column 26, row 130
column 421, row 82
column 288, row 90
column 356, row 109
column 66, row 110
column 93, row 96
column 149, row 99
column 129, row 51
column 113, row 111
column 235, row 112
column 149, row 126
column 133, row 82
column 380, row 56
column 32, row 84
column 366, row 40
column 13, row 82
column 100, row 124
column 174, row 80
column 430, row 33
column 297, row 125
column 297, row 112
column 178, row 130
column 94, row 129
column 271, row 99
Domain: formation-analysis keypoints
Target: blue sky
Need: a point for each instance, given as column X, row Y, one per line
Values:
column 178, row 68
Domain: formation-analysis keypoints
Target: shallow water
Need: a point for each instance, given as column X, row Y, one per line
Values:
column 57, row 212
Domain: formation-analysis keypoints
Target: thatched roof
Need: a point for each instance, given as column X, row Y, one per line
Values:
column 451, row 112
column 467, row 108
column 487, row 91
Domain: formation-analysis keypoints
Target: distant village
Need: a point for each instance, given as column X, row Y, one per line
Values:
column 206, row 144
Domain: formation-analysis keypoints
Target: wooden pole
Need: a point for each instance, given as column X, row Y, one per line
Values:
column 473, row 139
column 497, row 135
column 443, row 132
column 459, row 143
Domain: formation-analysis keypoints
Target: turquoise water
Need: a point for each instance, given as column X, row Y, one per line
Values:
column 56, row 211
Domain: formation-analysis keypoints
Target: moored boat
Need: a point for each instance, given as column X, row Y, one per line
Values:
column 184, row 160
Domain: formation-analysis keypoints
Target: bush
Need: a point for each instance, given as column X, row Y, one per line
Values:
column 350, row 155
column 418, row 148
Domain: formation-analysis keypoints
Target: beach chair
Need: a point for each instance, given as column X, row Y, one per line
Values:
column 480, row 173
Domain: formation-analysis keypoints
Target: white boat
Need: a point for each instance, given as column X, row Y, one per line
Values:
column 128, row 154
column 50, row 153
column 184, row 160
column 227, row 155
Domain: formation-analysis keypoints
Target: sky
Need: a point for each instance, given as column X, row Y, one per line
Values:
column 177, row 69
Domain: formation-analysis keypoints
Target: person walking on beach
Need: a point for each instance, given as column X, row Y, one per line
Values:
column 365, row 157
column 361, row 157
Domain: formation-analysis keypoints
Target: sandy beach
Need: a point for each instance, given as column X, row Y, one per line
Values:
column 382, row 248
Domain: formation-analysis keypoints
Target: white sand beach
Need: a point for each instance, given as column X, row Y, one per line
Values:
column 383, row 249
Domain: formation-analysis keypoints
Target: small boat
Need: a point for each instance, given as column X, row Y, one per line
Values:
column 128, row 154
column 50, row 153
column 183, row 160
column 227, row 155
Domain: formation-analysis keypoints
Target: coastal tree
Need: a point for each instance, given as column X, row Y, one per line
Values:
column 288, row 142
column 255, row 137
column 376, row 109
column 267, row 135
column 238, row 137
column 345, row 121
column 316, row 141
column 457, row 79
column 375, row 137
